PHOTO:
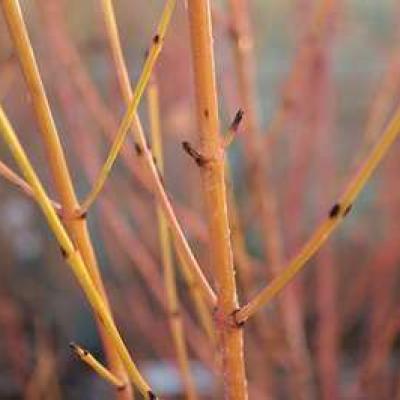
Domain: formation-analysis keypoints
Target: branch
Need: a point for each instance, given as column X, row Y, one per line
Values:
column 230, row 337
column 8, row 174
column 173, row 303
column 155, row 49
column 76, row 227
column 336, row 215
column 183, row 250
column 86, row 357
column 72, row 255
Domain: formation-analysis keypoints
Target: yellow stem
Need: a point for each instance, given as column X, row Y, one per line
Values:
column 173, row 305
column 71, row 254
column 118, row 56
column 86, row 357
column 155, row 49
column 76, row 227
column 19, row 34
column 325, row 229
column 240, row 254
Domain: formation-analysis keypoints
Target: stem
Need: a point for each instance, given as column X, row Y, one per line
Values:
column 76, row 227
column 19, row 35
column 86, row 357
column 381, row 105
column 173, row 306
column 325, row 229
column 230, row 335
column 72, row 255
column 8, row 174
column 68, row 57
column 119, row 228
column 290, row 101
column 319, row 119
column 154, row 52
column 201, row 308
column 264, row 199
column 191, row 270
column 43, row 379
column 246, row 267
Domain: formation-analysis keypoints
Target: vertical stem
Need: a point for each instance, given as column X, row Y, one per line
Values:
column 319, row 117
column 264, row 196
column 77, row 228
column 230, row 334
column 261, row 375
column 173, row 306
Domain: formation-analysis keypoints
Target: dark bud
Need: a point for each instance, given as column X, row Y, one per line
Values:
column 63, row 252
column 237, row 120
column 198, row 158
column 335, row 210
column 138, row 149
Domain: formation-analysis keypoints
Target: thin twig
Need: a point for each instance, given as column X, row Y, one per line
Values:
column 87, row 357
column 289, row 98
column 7, row 173
column 187, row 259
column 335, row 216
column 265, row 201
column 175, row 318
column 154, row 52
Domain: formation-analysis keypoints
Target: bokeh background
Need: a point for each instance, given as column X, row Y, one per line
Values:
column 336, row 105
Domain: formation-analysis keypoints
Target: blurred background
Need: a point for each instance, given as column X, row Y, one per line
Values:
column 324, row 85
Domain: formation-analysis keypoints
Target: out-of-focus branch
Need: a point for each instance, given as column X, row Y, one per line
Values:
column 174, row 314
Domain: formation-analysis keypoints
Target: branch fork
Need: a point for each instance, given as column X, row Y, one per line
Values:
column 202, row 160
